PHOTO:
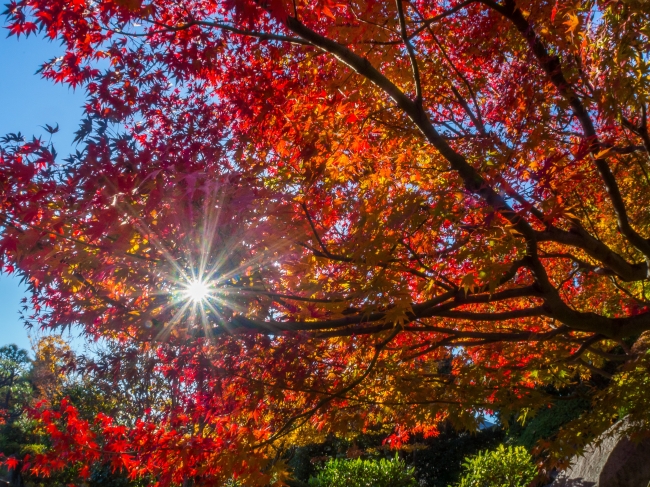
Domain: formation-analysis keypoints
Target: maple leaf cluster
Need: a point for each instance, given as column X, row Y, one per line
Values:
column 399, row 213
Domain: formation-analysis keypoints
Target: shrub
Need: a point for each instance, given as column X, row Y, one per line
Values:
column 365, row 473
column 511, row 467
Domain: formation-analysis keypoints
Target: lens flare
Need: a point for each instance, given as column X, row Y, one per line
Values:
column 197, row 291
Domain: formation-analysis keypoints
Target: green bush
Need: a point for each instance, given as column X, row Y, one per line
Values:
column 511, row 467
column 437, row 460
column 365, row 473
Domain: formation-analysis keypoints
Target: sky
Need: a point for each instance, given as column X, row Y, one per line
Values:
column 28, row 102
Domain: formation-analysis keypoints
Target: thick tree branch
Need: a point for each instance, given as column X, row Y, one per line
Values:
column 611, row 261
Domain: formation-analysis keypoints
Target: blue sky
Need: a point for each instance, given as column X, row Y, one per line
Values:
column 26, row 103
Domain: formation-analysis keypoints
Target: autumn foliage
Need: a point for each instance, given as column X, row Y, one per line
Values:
column 398, row 213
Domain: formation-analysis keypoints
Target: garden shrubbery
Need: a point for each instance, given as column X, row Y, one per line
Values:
column 365, row 473
column 437, row 460
column 510, row 466
column 503, row 467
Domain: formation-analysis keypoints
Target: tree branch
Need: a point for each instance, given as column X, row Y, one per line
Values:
column 331, row 396
column 411, row 52
column 612, row 261
column 553, row 69
column 473, row 181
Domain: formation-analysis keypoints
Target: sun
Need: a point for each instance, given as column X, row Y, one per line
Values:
column 197, row 291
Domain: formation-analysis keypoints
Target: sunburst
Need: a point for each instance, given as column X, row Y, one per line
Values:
column 197, row 291
column 208, row 276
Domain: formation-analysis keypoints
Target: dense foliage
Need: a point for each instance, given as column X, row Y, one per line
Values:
column 503, row 467
column 547, row 422
column 14, row 386
column 360, row 473
column 298, row 218
column 15, row 391
column 44, row 380
column 437, row 460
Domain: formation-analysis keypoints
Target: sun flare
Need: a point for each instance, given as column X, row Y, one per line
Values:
column 197, row 291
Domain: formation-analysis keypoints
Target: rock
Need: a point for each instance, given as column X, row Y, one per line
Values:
column 616, row 462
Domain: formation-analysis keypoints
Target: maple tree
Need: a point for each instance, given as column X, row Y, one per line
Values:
column 337, row 217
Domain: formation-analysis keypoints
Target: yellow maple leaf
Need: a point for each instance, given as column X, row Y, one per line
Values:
column 572, row 23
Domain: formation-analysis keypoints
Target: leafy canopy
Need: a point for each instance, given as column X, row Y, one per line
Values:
column 396, row 213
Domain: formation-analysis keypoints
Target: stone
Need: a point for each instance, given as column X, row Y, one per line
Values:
column 616, row 462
